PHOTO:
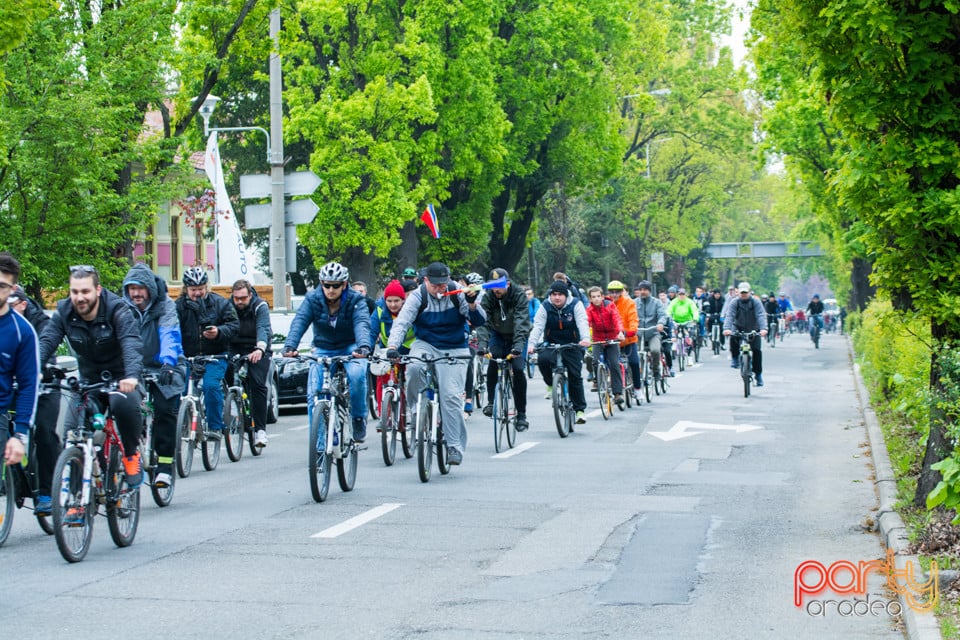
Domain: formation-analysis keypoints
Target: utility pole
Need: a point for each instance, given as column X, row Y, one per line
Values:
column 278, row 259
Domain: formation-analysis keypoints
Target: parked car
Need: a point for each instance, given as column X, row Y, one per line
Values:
column 291, row 374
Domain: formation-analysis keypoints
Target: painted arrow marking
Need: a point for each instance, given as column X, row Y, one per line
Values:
column 686, row 428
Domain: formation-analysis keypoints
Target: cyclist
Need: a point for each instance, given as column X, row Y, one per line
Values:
column 575, row 288
column 208, row 322
column 815, row 313
column 506, row 330
column 341, row 326
column 682, row 310
column 409, row 279
column 156, row 314
column 628, row 317
column 772, row 307
column 381, row 321
column 253, row 339
column 533, row 302
column 105, row 337
column 438, row 322
column 700, row 296
column 712, row 309
column 18, row 344
column 606, row 324
column 672, row 291
column 652, row 315
column 746, row 314
column 562, row 320
column 48, row 404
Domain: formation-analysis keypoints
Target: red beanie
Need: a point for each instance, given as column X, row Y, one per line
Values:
column 394, row 289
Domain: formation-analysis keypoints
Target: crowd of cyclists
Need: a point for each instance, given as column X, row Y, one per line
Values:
column 424, row 314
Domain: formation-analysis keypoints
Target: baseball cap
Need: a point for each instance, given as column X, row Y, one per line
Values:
column 744, row 287
column 498, row 273
column 437, row 273
column 409, row 272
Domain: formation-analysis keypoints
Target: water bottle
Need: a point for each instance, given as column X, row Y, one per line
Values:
column 99, row 422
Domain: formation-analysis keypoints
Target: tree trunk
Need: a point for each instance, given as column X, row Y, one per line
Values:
column 939, row 444
column 408, row 249
column 362, row 268
column 861, row 290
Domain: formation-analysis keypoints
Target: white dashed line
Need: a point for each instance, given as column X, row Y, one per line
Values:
column 520, row 448
column 303, row 428
column 357, row 521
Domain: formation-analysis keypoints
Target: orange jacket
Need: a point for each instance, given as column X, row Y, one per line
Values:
column 628, row 314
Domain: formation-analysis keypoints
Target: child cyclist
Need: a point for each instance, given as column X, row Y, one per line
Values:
column 381, row 321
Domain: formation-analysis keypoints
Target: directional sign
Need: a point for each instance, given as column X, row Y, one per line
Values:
column 260, row 216
column 686, row 429
column 257, row 216
column 298, row 183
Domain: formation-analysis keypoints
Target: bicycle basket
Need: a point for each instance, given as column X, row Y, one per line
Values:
column 380, row 367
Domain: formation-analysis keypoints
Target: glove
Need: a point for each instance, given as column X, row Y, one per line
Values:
column 166, row 375
column 481, row 351
column 364, row 351
column 471, row 297
column 631, row 334
column 515, row 353
column 393, row 354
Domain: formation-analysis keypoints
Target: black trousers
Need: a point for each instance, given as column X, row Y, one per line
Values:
column 755, row 349
column 125, row 408
column 257, row 379
column 48, row 442
column 499, row 349
column 573, row 361
column 165, row 425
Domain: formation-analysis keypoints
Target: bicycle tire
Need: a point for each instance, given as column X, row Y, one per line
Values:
column 682, row 352
column 123, row 503
column 745, row 374
column 347, row 462
column 531, row 368
column 389, row 426
column 233, row 421
column 73, row 536
column 696, row 349
column 499, row 417
column 559, row 410
column 816, row 338
column 628, row 387
column 424, row 446
column 603, row 391
column 408, row 433
column 210, row 452
column 511, row 415
column 645, row 377
column 185, row 446
column 8, row 500
column 318, row 463
column 162, row 496
column 372, row 407
column 443, row 460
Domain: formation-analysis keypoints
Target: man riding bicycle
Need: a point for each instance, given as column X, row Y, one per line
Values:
column 772, row 308
column 628, row 318
column 105, row 337
column 207, row 324
column 712, row 309
column 156, row 314
column 341, row 327
column 651, row 319
column 745, row 314
column 815, row 313
column 253, row 340
column 684, row 311
column 505, row 331
column 440, row 326
column 560, row 320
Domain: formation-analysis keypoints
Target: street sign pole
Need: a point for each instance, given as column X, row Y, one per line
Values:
column 278, row 259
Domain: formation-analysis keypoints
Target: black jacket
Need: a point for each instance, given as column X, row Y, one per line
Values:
column 212, row 309
column 254, row 327
column 509, row 316
column 108, row 343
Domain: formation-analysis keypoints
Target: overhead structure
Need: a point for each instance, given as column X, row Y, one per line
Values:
column 798, row 249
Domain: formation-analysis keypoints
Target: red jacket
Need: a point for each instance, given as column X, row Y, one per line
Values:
column 604, row 321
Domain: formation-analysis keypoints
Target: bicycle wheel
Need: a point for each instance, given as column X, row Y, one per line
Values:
column 408, row 431
column 424, row 446
column 816, row 338
column 662, row 382
column 210, row 451
column 531, row 367
column 185, row 445
column 123, row 503
column 233, row 420
column 8, row 500
column 372, row 396
column 696, row 349
column 745, row 374
column 647, row 377
column 162, row 496
column 682, row 352
column 559, row 408
column 72, row 519
column 500, row 417
column 603, row 391
column 629, row 390
column 443, row 461
column 347, row 464
column 318, row 462
column 509, row 410
column 388, row 426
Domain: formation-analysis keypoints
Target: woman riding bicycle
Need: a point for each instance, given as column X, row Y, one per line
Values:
column 605, row 322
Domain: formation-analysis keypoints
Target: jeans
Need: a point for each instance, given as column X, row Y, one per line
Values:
column 632, row 353
column 213, row 392
column 357, row 378
column 499, row 349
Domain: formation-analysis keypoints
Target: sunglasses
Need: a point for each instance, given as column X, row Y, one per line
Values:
column 332, row 285
column 83, row 268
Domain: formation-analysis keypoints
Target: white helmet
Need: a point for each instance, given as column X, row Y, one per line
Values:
column 334, row 272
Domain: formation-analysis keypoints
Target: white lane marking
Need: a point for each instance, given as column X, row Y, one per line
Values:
column 680, row 429
column 276, row 435
column 592, row 414
column 520, row 448
column 357, row 521
column 303, row 428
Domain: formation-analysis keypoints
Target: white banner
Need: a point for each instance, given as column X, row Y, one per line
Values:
column 231, row 252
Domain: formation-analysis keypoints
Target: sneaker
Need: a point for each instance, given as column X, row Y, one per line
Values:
column 43, row 506
column 673, row 374
column 454, row 456
column 593, row 388
column 163, row 480
column 488, row 409
column 133, row 471
column 73, row 516
column 260, row 438
column 580, row 418
column 759, row 380
column 734, row 364
column 619, row 400
column 549, row 392
column 522, row 423
column 359, row 430
column 468, row 407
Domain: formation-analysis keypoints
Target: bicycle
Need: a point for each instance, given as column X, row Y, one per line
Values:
column 429, row 430
column 602, row 377
column 89, row 473
column 373, row 406
column 531, row 365
column 331, row 412
column 563, row 412
column 815, row 320
column 148, row 452
column 646, row 365
column 772, row 332
column 20, row 481
column 746, row 357
column 629, row 388
column 237, row 417
column 504, row 409
column 479, row 364
column 393, row 412
column 660, row 384
column 192, row 427
column 715, row 334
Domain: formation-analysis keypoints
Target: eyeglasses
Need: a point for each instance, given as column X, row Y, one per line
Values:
column 332, row 285
column 83, row 268
column 4, row 286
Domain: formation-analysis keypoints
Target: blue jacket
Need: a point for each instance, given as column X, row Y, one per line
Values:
column 352, row 322
column 440, row 322
column 19, row 360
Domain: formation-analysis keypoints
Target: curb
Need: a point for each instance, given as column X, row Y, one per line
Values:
column 893, row 532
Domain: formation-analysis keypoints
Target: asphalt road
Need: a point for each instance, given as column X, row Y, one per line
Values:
column 614, row 532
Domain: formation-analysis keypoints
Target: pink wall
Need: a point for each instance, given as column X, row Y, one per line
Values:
column 189, row 254
column 163, row 255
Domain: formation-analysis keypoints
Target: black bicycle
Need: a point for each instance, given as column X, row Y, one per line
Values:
column 148, row 447
column 563, row 412
column 504, row 407
column 746, row 359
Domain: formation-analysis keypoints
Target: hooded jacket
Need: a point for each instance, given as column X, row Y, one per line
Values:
column 159, row 327
column 108, row 343
column 509, row 316
column 255, row 330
